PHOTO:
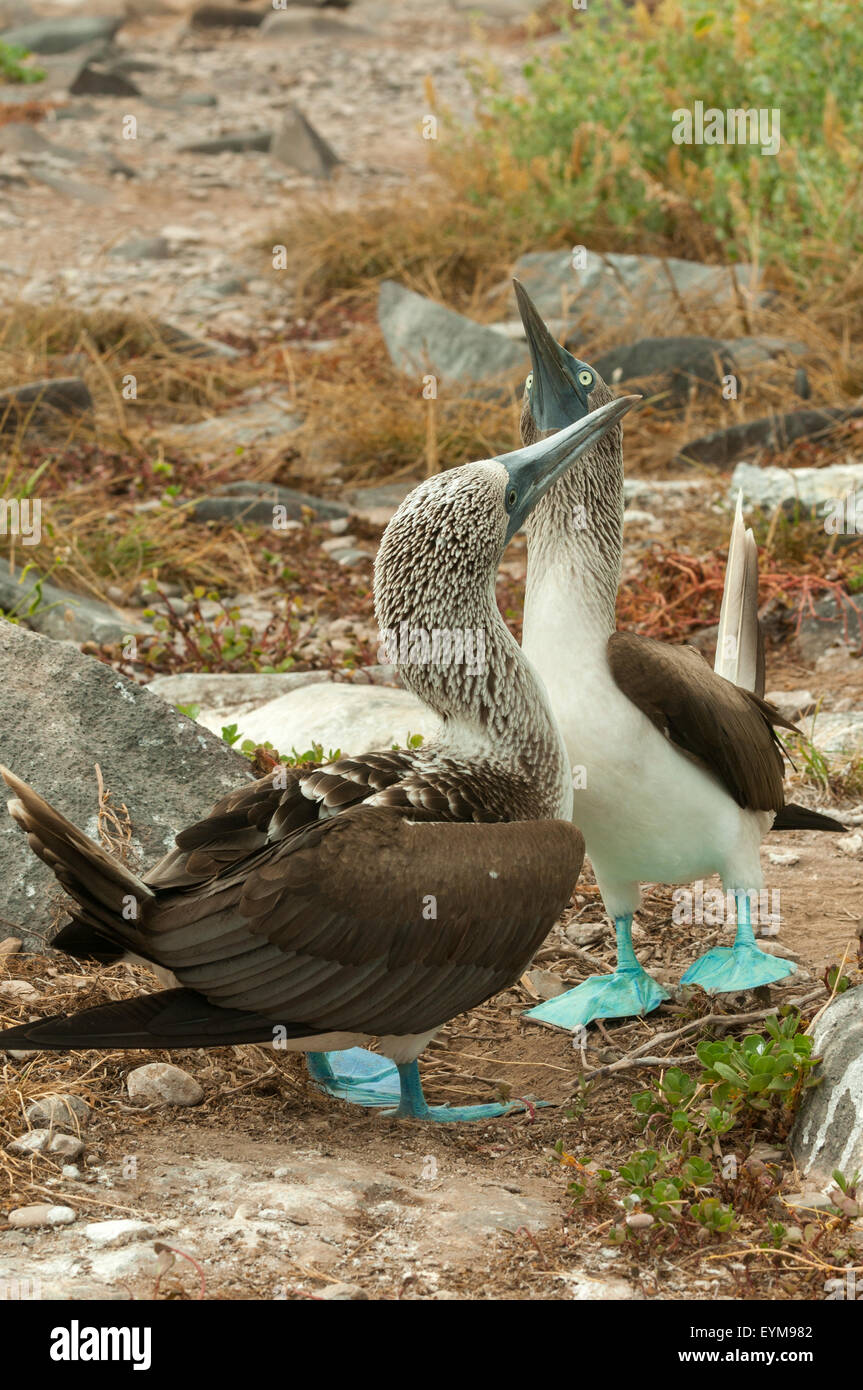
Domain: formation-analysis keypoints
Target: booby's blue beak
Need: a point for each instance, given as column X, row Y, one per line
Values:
column 560, row 384
column 534, row 469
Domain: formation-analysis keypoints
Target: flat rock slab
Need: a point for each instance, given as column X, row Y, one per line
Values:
column 677, row 365
column 342, row 718
column 423, row 337
column 60, row 713
column 57, row 613
column 815, row 491
column 612, row 287
column 248, row 425
column 828, row 1131
column 220, row 696
column 774, row 432
column 62, row 35
column 40, row 402
column 299, row 146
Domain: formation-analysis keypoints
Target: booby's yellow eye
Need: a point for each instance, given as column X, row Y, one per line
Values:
column 529, row 381
column 585, row 378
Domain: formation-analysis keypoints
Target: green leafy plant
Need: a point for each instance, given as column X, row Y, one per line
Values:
column 11, row 67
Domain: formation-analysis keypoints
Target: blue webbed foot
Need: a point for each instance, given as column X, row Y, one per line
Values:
column 626, row 993
column 355, row 1075
column 728, row 969
column 413, row 1105
column 629, row 992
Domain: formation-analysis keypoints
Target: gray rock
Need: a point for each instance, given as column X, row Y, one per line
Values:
column 755, row 352
column 67, row 1145
column 19, row 137
column 793, row 704
column 776, row 432
column 96, row 80
column 63, row 34
column 226, row 17
column 810, row 491
column 840, row 736
column 143, row 248
column 829, row 623
column 828, row 1131
column 56, row 612
column 342, row 1293
column 377, row 505
column 224, row 699
column 72, row 188
column 35, row 1141
column 67, row 1113
column 246, row 425
column 160, row 1083
column 802, row 387
column 546, row 984
column 257, row 502
column 167, row 770
column 41, row 402
column 343, row 718
column 675, row 367
column 109, row 1235
column 298, row 145
column 424, row 337
column 292, row 25
column 612, row 287
column 238, row 142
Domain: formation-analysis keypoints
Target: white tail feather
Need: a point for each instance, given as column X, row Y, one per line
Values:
column 738, row 644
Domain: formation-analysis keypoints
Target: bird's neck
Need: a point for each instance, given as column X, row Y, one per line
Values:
column 495, row 711
column 574, row 550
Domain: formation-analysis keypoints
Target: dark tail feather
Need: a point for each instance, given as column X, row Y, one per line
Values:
column 171, row 1018
column 110, row 899
column 794, row 817
column 81, row 940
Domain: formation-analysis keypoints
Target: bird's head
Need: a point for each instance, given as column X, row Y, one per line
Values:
column 560, row 388
column 438, row 556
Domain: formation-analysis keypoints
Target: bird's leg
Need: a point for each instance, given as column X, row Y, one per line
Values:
column 727, row 969
column 628, row 991
column 413, row 1105
column 356, row 1075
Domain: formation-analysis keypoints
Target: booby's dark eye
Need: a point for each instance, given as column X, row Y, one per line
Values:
column 585, row 378
column 511, row 499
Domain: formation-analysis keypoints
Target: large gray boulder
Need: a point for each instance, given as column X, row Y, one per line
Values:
column 828, row 1131
column 61, row 713
column 342, row 718
column 425, row 337
column 62, row 34
column 611, row 287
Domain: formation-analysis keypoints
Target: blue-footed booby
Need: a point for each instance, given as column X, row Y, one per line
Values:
column 378, row 896
column 678, row 770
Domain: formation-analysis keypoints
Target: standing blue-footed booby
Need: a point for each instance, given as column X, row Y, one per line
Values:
column 378, row 896
column 678, row 771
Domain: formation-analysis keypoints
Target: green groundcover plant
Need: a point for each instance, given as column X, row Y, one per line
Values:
column 586, row 152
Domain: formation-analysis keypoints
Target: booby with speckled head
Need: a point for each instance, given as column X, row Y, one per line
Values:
column 297, row 911
column 681, row 772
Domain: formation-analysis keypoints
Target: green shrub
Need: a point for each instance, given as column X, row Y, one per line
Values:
column 587, row 156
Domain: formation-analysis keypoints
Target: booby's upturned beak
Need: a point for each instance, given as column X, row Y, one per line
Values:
column 556, row 394
column 534, row 469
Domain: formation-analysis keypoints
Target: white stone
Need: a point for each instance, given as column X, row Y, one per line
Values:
column 160, row 1083
column 111, row 1234
column 340, row 717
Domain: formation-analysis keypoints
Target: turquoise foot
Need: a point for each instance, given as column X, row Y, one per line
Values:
column 630, row 991
column 729, row 969
column 355, row 1075
column 413, row 1105
column 624, row 994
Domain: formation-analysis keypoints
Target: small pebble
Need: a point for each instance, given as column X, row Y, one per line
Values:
column 33, row 1142
column 18, row 989
column 850, row 844
column 160, row 1083
column 783, row 857
column 64, row 1112
column 342, row 1293
column 67, row 1145
column 9, row 946
column 41, row 1215
column 70, row 1171
column 110, row 1234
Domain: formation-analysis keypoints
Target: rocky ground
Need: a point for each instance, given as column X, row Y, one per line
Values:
column 260, row 1188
